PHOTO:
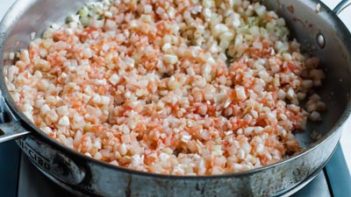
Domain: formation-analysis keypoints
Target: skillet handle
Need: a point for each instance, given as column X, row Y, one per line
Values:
column 342, row 6
column 10, row 128
column 44, row 156
column 11, row 131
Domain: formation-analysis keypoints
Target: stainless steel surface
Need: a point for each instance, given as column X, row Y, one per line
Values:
column 22, row 178
column 317, row 187
column 9, row 130
column 342, row 6
column 43, row 187
column 52, row 161
column 106, row 180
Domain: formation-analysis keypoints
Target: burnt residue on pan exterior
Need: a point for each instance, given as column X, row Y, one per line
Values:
column 298, row 19
column 305, row 23
column 291, row 9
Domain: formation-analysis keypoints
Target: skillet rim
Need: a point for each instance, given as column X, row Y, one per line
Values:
column 78, row 157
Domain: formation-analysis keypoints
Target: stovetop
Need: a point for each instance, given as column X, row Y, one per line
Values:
column 19, row 178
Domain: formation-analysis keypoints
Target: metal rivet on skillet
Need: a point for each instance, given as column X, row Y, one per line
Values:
column 320, row 40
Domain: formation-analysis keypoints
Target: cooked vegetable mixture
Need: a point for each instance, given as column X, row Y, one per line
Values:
column 181, row 87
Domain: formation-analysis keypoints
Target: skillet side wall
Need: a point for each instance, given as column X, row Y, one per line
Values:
column 92, row 177
column 104, row 181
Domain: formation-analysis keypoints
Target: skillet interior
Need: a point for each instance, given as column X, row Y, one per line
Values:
column 335, row 58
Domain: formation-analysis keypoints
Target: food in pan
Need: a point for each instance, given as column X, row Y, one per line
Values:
column 172, row 87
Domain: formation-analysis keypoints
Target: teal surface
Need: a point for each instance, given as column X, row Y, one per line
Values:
column 9, row 164
column 338, row 174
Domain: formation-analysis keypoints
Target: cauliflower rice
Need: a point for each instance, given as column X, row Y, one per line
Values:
column 173, row 87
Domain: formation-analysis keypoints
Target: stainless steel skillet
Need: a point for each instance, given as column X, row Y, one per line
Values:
column 319, row 30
